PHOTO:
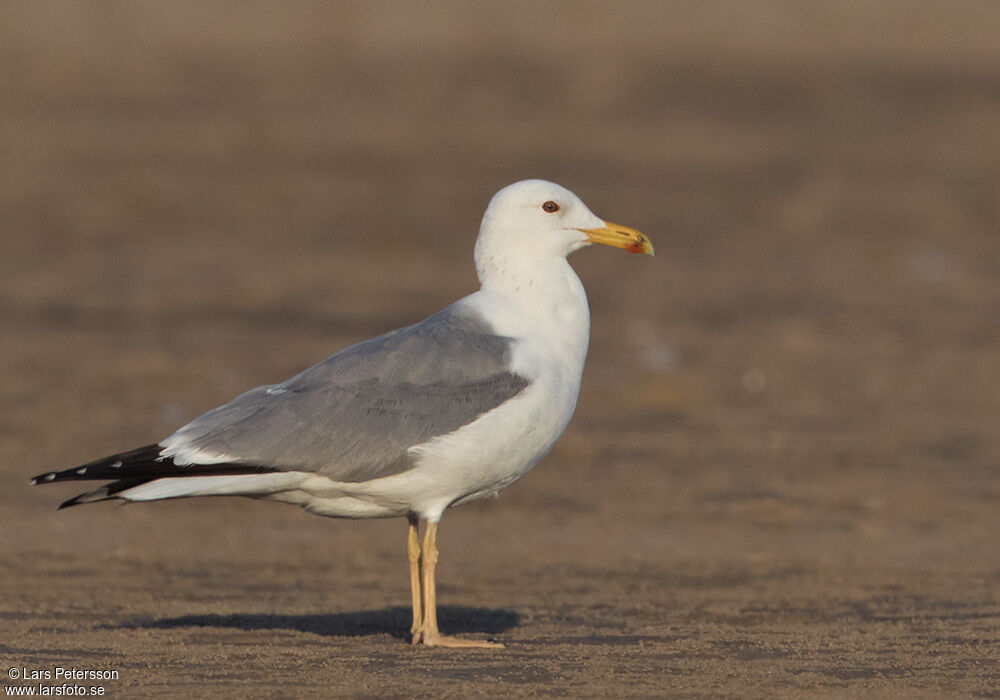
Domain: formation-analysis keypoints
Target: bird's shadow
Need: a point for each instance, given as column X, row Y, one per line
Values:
column 392, row 621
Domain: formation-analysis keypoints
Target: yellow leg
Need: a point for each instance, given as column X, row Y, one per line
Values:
column 413, row 554
column 429, row 630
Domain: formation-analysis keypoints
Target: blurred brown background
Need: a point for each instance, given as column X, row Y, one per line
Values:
column 783, row 473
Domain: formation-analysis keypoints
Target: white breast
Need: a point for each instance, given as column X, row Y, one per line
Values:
column 492, row 452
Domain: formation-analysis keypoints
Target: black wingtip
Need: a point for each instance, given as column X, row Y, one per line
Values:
column 75, row 501
column 142, row 459
column 104, row 493
column 145, row 464
column 130, row 469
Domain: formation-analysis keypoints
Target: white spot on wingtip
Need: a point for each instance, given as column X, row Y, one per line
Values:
column 50, row 477
column 32, row 482
column 81, row 470
column 116, row 465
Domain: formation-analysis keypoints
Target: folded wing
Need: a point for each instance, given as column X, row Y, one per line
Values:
column 352, row 417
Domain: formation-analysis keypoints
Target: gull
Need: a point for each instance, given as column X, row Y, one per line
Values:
column 449, row 410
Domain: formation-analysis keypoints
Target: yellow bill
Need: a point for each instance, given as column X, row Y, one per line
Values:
column 620, row 237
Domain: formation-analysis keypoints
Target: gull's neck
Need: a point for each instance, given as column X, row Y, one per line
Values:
column 542, row 284
column 539, row 297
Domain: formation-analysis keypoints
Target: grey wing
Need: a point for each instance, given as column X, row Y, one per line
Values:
column 354, row 416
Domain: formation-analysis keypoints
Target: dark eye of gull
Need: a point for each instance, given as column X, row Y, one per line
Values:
column 551, row 207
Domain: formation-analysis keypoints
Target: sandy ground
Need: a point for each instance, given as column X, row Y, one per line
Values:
column 782, row 478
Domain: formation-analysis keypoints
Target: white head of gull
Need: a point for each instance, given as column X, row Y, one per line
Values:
column 443, row 412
